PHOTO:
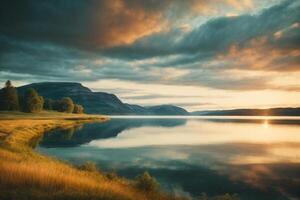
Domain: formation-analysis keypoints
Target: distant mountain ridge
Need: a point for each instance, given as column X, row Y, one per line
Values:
column 251, row 112
column 162, row 109
column 97, row 102
column 110, row 104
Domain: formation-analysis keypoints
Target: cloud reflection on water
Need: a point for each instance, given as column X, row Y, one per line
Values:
column 213, row 156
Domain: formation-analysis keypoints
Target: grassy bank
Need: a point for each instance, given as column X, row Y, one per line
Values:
column 15, row 115
column 25, row 174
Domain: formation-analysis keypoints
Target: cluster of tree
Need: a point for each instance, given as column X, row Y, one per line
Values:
column 31, row 101
column 65, row 104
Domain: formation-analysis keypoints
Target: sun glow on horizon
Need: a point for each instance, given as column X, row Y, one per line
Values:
column 194, row 97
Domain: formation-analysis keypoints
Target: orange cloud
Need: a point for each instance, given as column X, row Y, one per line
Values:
column 122, row 22
column 241, row 4
column 258, row 54
column 211, row 7
column 118, row 22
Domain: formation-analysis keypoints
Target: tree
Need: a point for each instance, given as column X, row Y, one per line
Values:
column 8, row 84
column 9, row 99
column 66, row 105
column 32, row 101
column 78, row 109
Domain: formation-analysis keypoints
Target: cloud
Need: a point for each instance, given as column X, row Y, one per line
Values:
column 93, row 24
column 258, row 54
column 211, row 38
column 122, row 22
column 145, row 42
column 84, row 24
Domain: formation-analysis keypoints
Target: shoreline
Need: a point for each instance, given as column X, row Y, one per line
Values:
column 48, row 115
column 17, row 129
column 27, row 174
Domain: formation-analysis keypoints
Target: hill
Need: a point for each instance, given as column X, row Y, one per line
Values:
column 110, row 104
column 163, row 109
column 97, row 102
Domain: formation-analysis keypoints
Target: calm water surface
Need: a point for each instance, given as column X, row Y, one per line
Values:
column 256, row 158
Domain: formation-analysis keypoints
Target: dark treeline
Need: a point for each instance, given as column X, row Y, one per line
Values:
column 31, row 102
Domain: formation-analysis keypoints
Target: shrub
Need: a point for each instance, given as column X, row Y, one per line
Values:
column 111, row 175
column 146, row 182
column 88, row 166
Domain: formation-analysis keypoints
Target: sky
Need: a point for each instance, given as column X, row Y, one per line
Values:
column 197, row 54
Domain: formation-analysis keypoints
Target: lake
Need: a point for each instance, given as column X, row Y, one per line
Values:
column 255, row 157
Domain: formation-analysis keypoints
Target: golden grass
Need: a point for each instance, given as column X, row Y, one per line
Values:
column 25, row 174
column 57, row 179
column 20, row 128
